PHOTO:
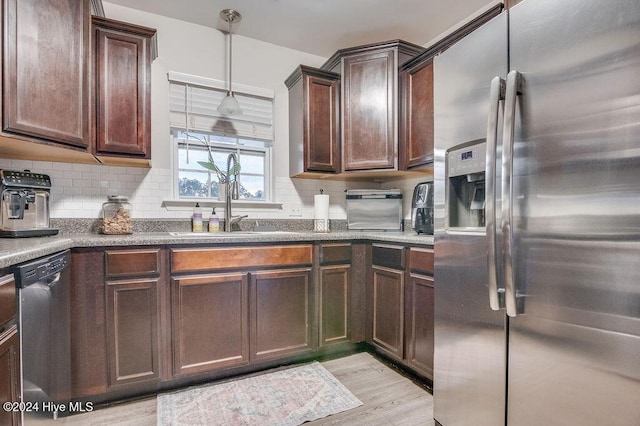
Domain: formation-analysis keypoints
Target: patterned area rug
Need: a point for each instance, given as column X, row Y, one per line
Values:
column 287, row 397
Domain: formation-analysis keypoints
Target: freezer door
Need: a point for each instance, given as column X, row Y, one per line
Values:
column 469, row 359
column 574, row 344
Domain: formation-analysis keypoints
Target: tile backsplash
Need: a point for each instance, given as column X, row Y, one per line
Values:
column 80, row 189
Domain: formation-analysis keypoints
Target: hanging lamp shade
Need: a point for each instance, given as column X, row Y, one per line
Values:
column 230, row 105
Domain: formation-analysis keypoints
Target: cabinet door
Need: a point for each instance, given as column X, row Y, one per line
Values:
column 334, row 302
column 416, row 142
column 123, row 83
column 88, row 323
column 321, row 124
column 10, row 375
column 45, row 70
column 210, row 322
column 420, row 324
column 8, row 300
column 280, row 313
column 369, row 138
column 133, row 330
column 388, row 310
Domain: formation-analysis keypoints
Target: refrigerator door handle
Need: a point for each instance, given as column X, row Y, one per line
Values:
column 514, row 89
column 496, row 94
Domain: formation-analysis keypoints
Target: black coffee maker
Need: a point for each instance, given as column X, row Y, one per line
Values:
column 422, row 208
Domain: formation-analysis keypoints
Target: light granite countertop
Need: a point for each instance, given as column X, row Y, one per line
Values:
column 18, row 250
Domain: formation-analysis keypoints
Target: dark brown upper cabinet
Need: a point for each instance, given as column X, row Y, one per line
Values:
column 369, row 103
column 46, row 54
column 416, row 91
column 344, row 117
column 369, row 111
column 416, row 127
column 122, row 82
column 314, row 117
column 74, row 88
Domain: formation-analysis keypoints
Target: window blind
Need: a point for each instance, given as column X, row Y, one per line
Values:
column 193, row 107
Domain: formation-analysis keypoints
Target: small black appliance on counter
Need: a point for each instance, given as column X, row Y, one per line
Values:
column 422, row 208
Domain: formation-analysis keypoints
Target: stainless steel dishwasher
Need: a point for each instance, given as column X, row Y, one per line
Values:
column 44, row 313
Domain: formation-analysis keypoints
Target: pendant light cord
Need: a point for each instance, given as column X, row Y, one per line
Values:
column 230, row 105
column 230, row 56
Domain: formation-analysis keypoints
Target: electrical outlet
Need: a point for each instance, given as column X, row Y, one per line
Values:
column 295, row 211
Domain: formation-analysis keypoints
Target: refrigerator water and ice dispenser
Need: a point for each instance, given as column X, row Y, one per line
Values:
column 466, row 185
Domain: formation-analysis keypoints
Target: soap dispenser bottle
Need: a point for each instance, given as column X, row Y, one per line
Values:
column 214, row 221
column 196, row 219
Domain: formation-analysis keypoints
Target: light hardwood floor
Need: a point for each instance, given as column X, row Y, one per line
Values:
column 388, row 399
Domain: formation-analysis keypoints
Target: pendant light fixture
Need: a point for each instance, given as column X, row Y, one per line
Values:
column 230, row 105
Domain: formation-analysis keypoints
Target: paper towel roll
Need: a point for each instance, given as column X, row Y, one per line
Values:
column 321, row 206
column 321, row 213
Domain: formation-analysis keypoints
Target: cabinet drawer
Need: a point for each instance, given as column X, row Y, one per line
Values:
column 188, row 259
column 421, row 260
column 7, row 299
column 335, row 253
column 388, row 256
column 132, row 262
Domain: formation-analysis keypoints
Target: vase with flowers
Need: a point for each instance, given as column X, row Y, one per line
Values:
column 223, row 176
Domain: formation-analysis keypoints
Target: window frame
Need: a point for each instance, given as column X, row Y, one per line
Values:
column 236, row 147
column 192, row 80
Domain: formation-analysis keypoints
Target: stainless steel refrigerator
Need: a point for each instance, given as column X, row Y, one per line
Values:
column 537, row 218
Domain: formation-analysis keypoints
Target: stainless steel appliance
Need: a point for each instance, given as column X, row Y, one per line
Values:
column 374, row 209
column 536, row 262
column 422, row 208
column 24, row 202
column 44, row 323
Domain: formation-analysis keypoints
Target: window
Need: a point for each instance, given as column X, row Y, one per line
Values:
column 196, row 181
column 200, row 134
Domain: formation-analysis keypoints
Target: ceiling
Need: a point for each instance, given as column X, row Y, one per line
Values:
column 321, row 27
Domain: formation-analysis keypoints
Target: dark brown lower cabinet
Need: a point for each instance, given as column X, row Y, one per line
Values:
column 138, row 325
column 10, row 375
column 280, row 313
column 117, row 315
column 133, row 338
column 89, row 363
column 402, row 303
column 420, row 324
column 135, row 288
column 334, row 302
column 388, row 310
column 209, row 322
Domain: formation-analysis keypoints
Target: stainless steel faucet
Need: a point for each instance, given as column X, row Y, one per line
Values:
column 232, row 192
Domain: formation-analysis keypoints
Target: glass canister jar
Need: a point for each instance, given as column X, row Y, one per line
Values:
column 116, row 215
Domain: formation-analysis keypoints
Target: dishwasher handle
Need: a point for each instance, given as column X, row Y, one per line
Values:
column 52, row 280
